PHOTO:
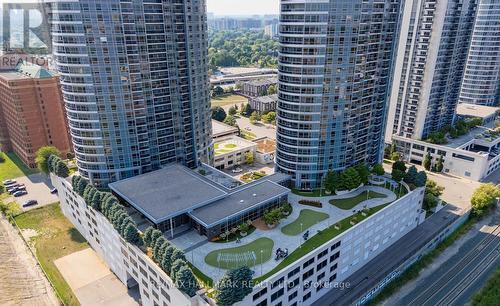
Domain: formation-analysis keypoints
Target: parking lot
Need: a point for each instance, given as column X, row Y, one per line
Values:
column 38, row 187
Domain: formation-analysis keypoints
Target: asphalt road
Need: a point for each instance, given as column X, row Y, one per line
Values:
column 456, row 281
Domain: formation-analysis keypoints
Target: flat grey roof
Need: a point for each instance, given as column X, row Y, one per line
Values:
column 474, row 110
column 166, row 193
column 243, row 199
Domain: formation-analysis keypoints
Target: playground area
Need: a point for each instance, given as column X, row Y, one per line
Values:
column 264, row 250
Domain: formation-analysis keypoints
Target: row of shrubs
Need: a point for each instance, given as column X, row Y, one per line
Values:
column 57, row 166
column 311, row 203
column 108, row 205
column 172, row 260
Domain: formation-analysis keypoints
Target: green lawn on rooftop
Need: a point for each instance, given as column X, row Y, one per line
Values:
column 13, row 167
column 349, row 203
column 308, row 218
column 237, row 254
column 313, row 193
column 319, row 239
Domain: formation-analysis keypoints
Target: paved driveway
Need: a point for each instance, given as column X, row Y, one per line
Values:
column 38, row 186
column 92, row 282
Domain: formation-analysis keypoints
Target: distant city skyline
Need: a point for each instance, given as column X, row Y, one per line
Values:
column 243, row 7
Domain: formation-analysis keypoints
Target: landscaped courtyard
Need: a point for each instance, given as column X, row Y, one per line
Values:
column 323, row 224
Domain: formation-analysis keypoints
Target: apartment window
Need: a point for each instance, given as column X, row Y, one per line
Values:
column 306, row 297
column 322, row 253
column 293, row 272
column 335, row 256
column 292, row 296
column 293, row 284
column 307, row 274
column 333, row 267
column 277, row 282
column 336, row 245
column 263, row 303
column 259, row 294
column 321, row 265
column 277, row 294
column 307, row 263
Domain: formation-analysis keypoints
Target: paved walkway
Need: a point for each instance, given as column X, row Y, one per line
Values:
column 197, row 256
column 92, row 281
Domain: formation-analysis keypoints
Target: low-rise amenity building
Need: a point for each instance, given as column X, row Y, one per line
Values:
column 264, row 104
column 257, row 88
column 265, row 151
column 220, row 129
column 473, row 156
column 488, row 114
column 162, row 197
column 230, row 151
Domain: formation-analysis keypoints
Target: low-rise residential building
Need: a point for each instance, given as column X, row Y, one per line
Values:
column 265, row 151
column 487, row 114
column 230, row 151
column 257, row 88
column 32, row 112
column 264, row 104
column 220, row 129
column 473, row 156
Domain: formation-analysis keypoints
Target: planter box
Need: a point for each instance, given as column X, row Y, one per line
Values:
column 352, row 222
column 243, row 234
column 271, row 225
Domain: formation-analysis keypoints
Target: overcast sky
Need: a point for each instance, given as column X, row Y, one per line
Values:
column 243, row 7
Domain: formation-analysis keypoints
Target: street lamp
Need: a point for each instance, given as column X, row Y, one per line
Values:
column 261, row 252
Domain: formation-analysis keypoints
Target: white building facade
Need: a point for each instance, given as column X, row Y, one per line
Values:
column 130, row 264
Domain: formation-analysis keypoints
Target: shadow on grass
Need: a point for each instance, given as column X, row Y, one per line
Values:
column 76, row 236
column 17, row 161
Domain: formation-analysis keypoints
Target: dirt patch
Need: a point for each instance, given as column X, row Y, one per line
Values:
column 260, row 224
column 29, row 233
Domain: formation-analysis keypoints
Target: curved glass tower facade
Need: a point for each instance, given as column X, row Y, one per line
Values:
column 481, row 80
column 334, row 72
column 135, row 84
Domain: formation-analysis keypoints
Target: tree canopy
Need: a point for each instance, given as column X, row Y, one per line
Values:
column 42, row 157
column 218, row 113
column 484, row 198
column 241, row 48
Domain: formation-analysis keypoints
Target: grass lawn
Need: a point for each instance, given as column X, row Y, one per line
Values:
column 308, row 218
column 56, row 238
column 205, row 281
column 255, row 246
column 349, row 203
column 247, row 135
column 13, row 167
column 228, row 99
column 490, row 293
column 9, row 208
column 318, row 240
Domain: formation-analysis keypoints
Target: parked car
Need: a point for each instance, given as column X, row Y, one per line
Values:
column 20, row 193
column 30, row 203
column 12, row 190
column 11, row 184
column 7, row 182
column 53, row 190
column 237, row 170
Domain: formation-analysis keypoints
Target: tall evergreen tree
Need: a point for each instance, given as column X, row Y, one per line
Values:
column 186, row 281
column 234, row 286
column 148, row 235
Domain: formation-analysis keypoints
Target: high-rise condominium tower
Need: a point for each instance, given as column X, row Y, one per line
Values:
column 432, row 49
column 334, row 71
column 481, row 81
column 135, row 83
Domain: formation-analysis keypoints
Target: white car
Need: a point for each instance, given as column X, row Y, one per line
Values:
column 237, row 170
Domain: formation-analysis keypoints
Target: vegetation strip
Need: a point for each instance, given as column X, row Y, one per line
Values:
column 348, row 203
column 319, row 239
column 490, row 293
